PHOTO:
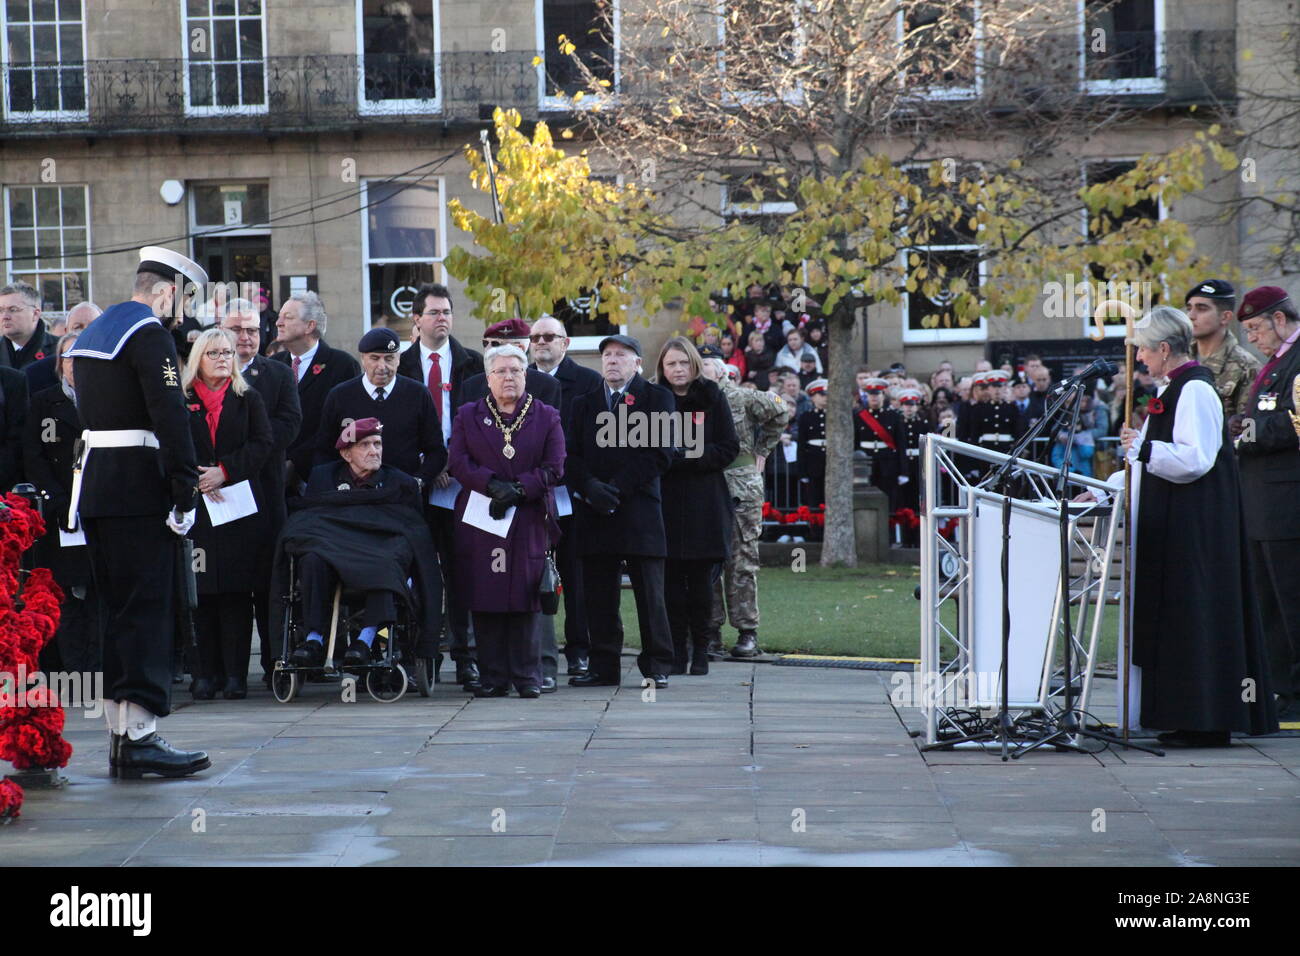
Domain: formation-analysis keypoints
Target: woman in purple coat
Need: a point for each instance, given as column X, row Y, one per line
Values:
column 508, row 448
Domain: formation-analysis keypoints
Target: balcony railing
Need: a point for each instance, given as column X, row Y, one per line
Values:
column 343, row 92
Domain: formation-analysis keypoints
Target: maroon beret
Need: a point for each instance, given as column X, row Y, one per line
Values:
column 354, row 432
column 509, row 329
column 1261, row 301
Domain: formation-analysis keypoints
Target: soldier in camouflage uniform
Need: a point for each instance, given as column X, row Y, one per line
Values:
column 1210, row 306
column 760, row 419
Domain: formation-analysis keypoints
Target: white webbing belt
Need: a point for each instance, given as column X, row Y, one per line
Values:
column 119, row 438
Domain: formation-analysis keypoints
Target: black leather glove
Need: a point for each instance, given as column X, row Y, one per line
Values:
column 499, row 490
column 601, row 496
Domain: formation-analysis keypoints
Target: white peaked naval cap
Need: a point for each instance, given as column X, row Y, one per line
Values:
column 169, row 264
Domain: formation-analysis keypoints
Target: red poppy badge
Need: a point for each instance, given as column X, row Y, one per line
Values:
column 629, row 399
column 39, row 355
column 316, row 369
column 193, row 408
column 1155, row 406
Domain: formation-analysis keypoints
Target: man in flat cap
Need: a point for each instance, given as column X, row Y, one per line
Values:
column 1268, row 454
column 133, row 492
column 619, row 517
column 413, row 439
column 1211, row 306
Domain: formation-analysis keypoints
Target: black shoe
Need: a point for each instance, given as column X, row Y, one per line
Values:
column 236, row 688
column 548, row 685
column 577, row 666
column 308, row 654
column 152, row 754
column 114, row 747
column 482, row 691
column 357, row 654
column 590, row 679
column 1196, row 738
column 204, row 689
column 746, row 645
column 661, row 680
column 467, row 674
column 699, row 661
column 531, row 692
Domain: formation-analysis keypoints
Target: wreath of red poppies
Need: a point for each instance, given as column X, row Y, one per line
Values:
column 31, row 720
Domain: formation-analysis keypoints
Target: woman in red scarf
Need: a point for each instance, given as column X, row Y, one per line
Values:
column 232, row 438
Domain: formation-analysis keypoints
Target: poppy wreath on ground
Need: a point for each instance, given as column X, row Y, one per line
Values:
column 905, row 518
column 31, row 720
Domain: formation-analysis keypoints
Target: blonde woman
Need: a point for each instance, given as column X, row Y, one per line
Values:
column 232, row 440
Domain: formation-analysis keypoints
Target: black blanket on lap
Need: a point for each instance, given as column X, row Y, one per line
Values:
column 374, row 540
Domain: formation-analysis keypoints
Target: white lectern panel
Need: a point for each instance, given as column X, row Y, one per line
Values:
column 1035, row 582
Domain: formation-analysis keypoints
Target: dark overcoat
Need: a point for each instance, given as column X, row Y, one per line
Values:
column 1270, row 462
column 1196, row 626
column 231, row 552
column 13, row 410
column 53, row 427
column 465, row 364
column 475, row 458
column 329, row 367
column 697, row 505
column 274, row 382
column 637, row 526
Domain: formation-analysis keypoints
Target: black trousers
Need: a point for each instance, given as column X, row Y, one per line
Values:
column 223, row 626
column 1273, row 565
column 318, row 581
column 442, row 525
column 267, row 643
column 509, row 649
column 77, row 645
column 688, row 599
column 602, row 576
column 133, row 560
column 577, row 640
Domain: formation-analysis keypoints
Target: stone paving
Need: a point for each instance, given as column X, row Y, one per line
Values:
column 754, row 764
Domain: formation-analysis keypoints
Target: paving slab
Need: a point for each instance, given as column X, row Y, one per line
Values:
column 752, row 765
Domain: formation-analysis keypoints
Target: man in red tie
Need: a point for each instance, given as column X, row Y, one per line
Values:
column 443, row 365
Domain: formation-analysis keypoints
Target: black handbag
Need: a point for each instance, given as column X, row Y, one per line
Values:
column 550, row 587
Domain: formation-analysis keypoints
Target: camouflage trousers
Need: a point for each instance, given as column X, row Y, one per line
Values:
column 738, row 583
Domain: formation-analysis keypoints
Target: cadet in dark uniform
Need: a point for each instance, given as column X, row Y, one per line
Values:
column 812, row 447
column 133, row 493
column 911, row 426
column 875, row 432
column 990, row 423
column 412, row 437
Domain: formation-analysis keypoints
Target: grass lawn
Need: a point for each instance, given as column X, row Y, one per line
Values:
column 868, row 611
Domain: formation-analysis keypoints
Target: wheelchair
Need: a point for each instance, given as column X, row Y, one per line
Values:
column 395, row 666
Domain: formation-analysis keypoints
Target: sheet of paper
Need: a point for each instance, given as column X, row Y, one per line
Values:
column 476, row 515
column 445, row 497
column 791, row 451
column 72, row 539
column 236, row 502
column 563, row 503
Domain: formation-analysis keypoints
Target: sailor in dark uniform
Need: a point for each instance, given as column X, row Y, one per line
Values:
column 812, row 447
column 133, row 491
column 911, row 426
column 875, row 432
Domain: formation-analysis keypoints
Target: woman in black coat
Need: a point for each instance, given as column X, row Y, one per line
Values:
column 51, row 429
column 232, row 439
column 697, row 505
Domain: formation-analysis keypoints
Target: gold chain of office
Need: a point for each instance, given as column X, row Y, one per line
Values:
column 506, row 432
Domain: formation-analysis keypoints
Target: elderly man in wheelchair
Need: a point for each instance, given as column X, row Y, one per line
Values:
column 357, row 539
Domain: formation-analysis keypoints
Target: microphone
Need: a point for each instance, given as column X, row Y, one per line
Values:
column 1097, row 369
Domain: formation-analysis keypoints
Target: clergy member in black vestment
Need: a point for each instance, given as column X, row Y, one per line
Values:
column 316, row 367
column 412, row 439
column 1197, row 639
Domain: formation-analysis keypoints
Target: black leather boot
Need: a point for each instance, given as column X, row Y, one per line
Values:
column 700, row 658
column 114, row 746
column 679, row 655
column 236, row 688
column 152, row 754
column 204, row 688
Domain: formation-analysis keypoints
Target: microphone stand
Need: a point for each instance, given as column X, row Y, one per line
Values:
column 1066, row 721
column 1005, row 729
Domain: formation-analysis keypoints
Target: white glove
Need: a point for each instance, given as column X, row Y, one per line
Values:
column 181, row 523
column 903, row 479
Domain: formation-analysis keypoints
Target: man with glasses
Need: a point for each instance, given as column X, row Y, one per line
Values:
column 515, row 332
column 442, row 365
column 1268, row 457
column 43, row 373
column 25, row 338
column 550, row 346
column 274, row 382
